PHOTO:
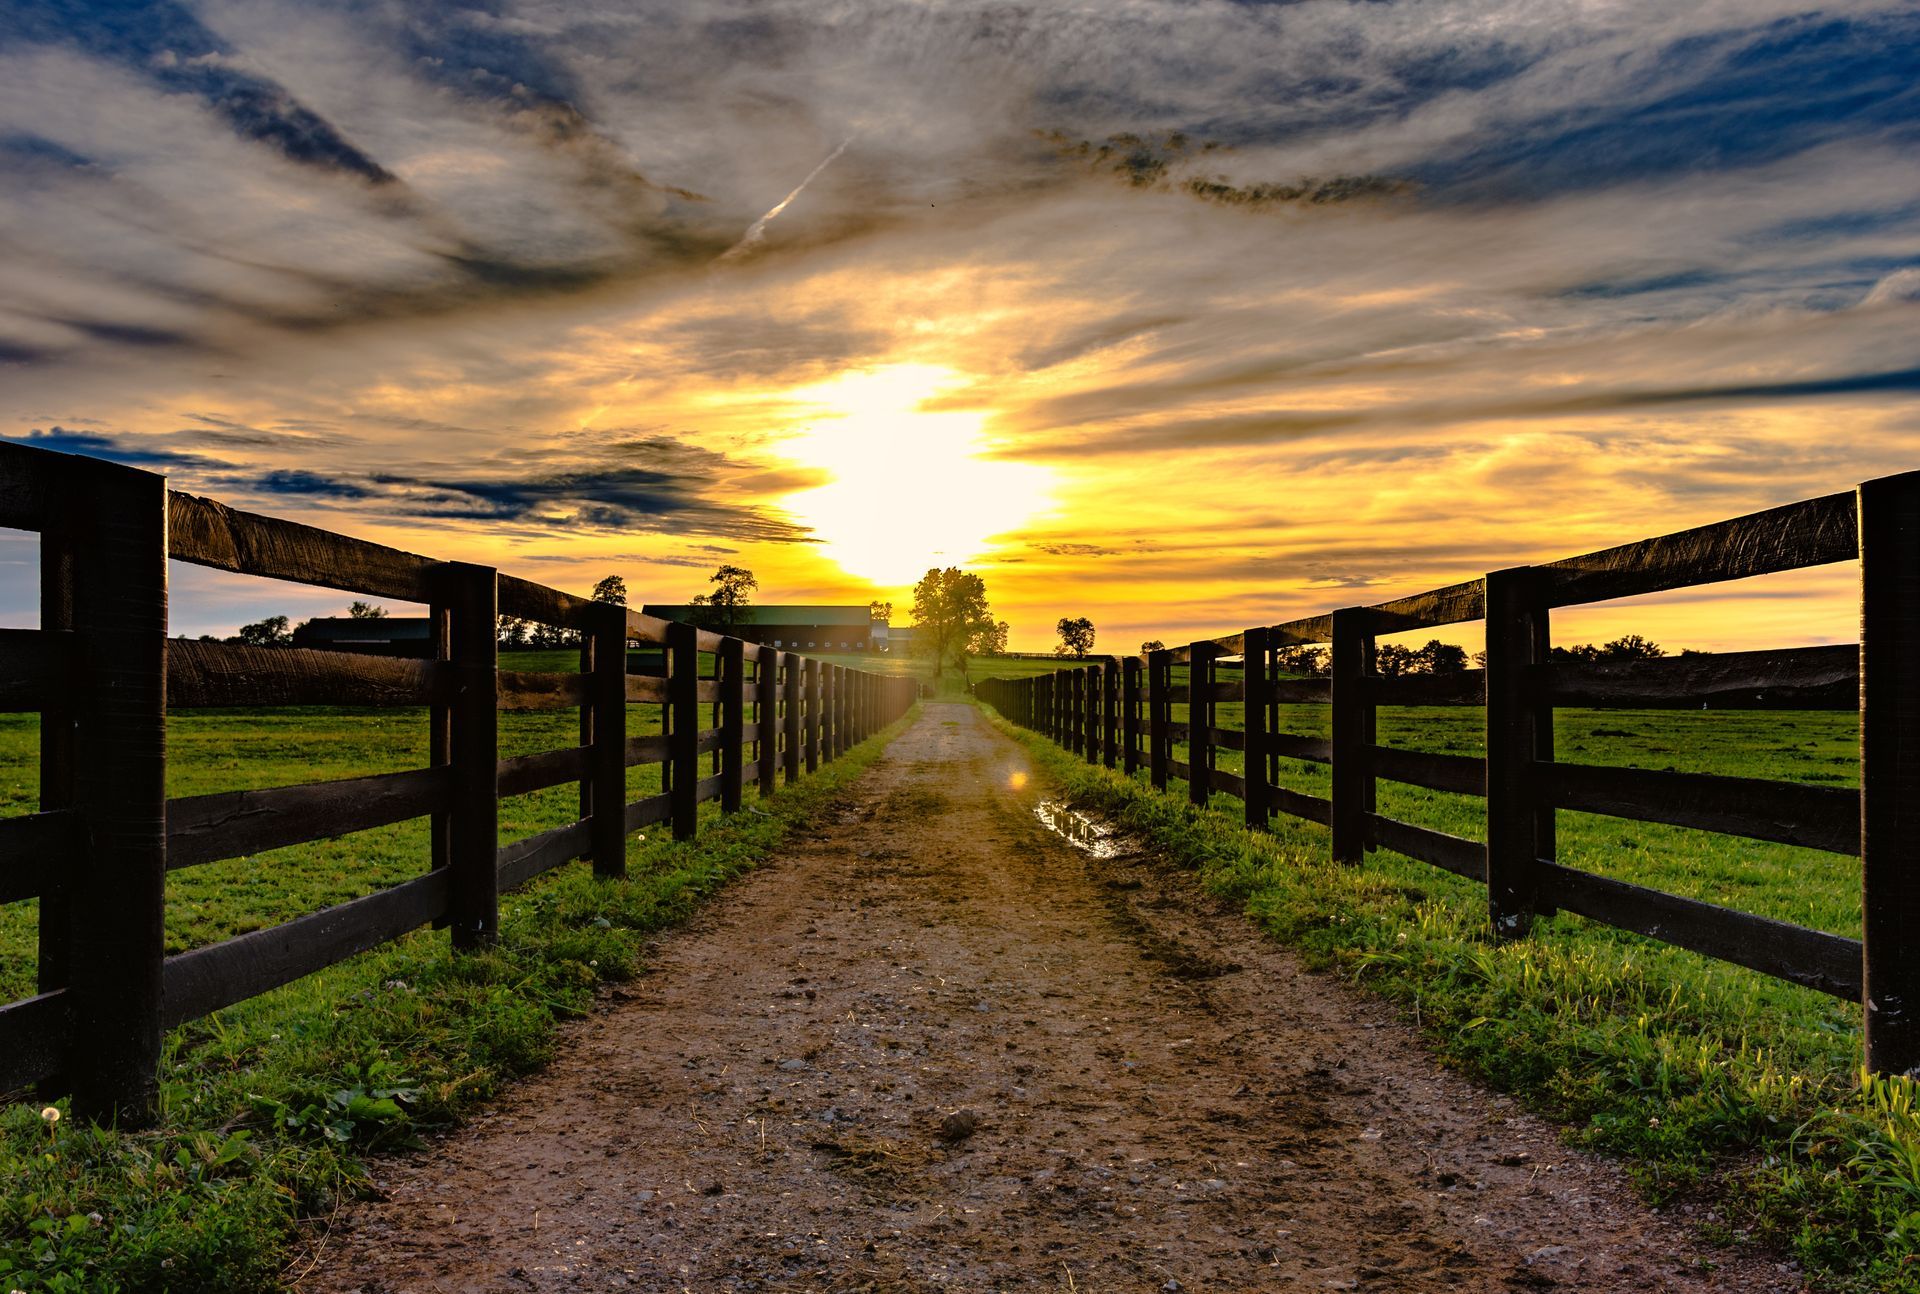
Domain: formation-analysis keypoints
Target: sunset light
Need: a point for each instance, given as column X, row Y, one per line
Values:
column 908, row 488
column 670, row 645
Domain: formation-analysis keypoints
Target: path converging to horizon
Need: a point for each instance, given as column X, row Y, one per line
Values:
column 934, row 1045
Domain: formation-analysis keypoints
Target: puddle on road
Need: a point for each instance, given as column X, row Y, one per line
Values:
column 1077, row 829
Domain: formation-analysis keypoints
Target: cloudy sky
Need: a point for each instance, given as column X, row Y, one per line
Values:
column 1181, row 315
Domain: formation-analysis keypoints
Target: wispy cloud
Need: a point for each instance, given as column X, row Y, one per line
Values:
column 1333, row 296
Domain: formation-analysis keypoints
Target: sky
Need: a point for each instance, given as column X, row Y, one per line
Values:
column 1182, row 316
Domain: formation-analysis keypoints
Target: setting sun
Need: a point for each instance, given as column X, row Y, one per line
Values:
column 910, row 488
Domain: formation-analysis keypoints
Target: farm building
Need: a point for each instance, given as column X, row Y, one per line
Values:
column 382, row 636
column 791, row 628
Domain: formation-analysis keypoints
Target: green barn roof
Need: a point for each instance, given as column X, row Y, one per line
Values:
column 773, row 615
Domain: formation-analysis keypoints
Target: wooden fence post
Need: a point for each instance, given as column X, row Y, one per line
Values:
column 1515, row 631
column 607, row 736
column 115, row 885
column 733, row 719
column 1200, row 712
column 1890, row 770
column 1352, row 730
column 1159, row 715
column 825, row 683
column 1090, row 688
column 440, row 738
column 766, row 713
column 683, row 745
column 790, row 720
column 58, row 731
column 473, row 907
column 1130, row 715
column 1255, row 688
column 1110, row 709
column 836, row 678
column 810, row 721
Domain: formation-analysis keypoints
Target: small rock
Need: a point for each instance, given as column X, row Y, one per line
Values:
column 793, row 1066
column 958, row 1126
column 1547, row 1251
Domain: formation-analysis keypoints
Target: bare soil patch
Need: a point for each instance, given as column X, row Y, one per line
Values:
column 938, row 1047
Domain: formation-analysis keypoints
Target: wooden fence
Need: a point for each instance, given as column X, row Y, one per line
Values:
column 1119, row 712
column 103, row 673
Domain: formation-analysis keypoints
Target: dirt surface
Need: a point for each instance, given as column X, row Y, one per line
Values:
column 936, row 1046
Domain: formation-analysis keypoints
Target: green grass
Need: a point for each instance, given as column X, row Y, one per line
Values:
column 1707, row 1079
column 268, row 1107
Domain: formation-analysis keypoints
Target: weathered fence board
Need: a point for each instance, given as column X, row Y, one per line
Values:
column 232, row 824
column 206, row 979
column 234, row 674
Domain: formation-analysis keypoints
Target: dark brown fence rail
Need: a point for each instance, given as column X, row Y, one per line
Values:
column 102, row 672
column 1520, row 779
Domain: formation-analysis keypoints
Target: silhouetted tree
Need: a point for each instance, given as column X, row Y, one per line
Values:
column 1152, row 645
column 1437, row 657
column 950, row 617
column 612, row 589
column 1076, row 637
column 722, row 610
column 1390, row 660
column 366, row 611
column 271, row 632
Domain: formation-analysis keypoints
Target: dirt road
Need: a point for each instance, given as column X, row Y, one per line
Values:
column 938, row 1047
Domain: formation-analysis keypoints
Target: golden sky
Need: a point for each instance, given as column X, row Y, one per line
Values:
column 1192, row 318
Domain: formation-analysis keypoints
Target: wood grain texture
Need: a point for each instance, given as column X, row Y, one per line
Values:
column 1451, row 853
column 234, row 674
column 32, row 847
column 524, row 773
column 522, row 860
column 1812, row 532
column 1813, row 958
column 233, row 824
column 200, row 982
column 1817, row 817
column 207, row 533
column 1803, row 678
column 35, row 665
column 33, row 1038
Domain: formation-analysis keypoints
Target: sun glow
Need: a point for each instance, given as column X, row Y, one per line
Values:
column 909, row 489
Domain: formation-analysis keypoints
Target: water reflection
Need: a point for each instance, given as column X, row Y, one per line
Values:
column 1077, row 829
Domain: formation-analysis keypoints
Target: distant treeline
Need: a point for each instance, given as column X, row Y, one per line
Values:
column 1436, row 657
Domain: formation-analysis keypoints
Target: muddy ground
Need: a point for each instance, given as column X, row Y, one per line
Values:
column 936, row 1046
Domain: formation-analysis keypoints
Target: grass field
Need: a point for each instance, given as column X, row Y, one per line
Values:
column 1727, row 1092
column 1704, row 1076
column 268, row 1107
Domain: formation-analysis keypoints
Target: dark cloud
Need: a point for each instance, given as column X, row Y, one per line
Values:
column 138, row 451
column 673, row 493
column 1167, row 162
column 1710, row 102
column 166, row 43
column 1280, row 426
column 304, row 484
